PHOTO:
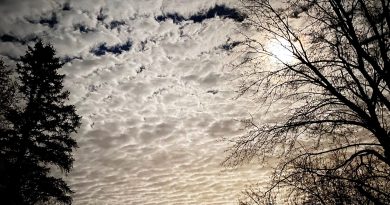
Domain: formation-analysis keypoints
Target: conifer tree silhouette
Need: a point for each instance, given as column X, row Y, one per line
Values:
column 40, row 132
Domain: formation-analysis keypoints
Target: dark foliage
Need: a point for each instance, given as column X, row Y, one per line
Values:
column 35, row 131
column 7, row 89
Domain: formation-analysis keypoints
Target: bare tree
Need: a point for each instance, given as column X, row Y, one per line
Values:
column 336, row 132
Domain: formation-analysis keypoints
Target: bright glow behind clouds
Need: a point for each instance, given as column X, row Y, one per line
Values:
column 153, row 115
column 280, row 51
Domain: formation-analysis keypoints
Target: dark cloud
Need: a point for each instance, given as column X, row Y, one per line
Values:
column 66, row 7
column 67, row 59
column 9, row 38
column 219, row 10
column 83, row 28
column 177, row 18
column 51, row 22
column 101, row 16
column 230, row 45
column 47, row 21
column 212, row 92
column 143, row 45
column 14, row 39
column 142, row 68
column 117, row 49
column 115, row 24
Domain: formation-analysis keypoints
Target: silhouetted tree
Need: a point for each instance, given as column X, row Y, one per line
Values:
column 336, row 132
column 7, row 99
column 7, row 88
column 7, row 95
column 39, row 135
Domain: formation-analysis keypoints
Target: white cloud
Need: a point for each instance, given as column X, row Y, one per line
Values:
column 150, row 135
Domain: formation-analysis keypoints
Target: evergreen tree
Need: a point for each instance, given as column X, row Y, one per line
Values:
column 7, row 89
column 7, row 99
column 42, row 124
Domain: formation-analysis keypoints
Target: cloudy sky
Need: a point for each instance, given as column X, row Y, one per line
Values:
column 151, row 80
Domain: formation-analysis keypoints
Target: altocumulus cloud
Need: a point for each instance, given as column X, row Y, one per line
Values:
column 102, row 49
column 148, row 78
column 217, row 11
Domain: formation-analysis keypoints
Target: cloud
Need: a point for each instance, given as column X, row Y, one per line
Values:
column 221, row 11
column 155, row 96
column 14, row 39
column 115, row 24
column 83, row 28
column 9, row 38
column 47, row 21
column 102, row 49
column 230, row 45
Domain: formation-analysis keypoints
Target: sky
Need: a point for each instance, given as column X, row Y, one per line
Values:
column 153, row 84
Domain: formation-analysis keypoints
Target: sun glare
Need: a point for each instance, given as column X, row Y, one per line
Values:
column 280, row 51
